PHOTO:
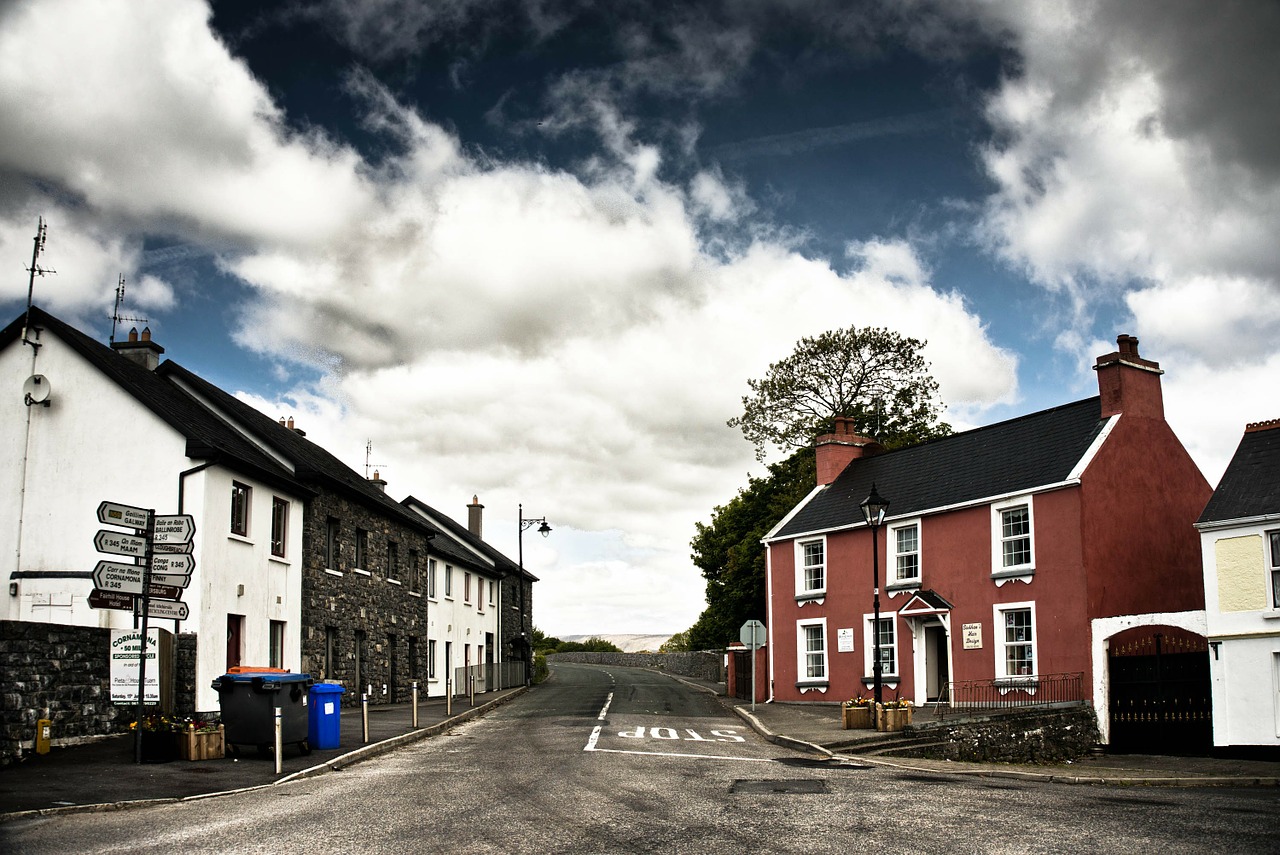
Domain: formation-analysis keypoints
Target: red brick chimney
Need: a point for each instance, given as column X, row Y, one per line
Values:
column 837, row 450
column 475, row 517
column 1128, row 383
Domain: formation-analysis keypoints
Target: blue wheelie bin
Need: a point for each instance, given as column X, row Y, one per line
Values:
column 324, row 728
column 248, row 698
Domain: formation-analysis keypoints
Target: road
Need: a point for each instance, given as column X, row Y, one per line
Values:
column 625, row 760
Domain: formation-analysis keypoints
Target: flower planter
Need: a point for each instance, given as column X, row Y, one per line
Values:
column 889, row 719
column 855, row 717
column 202, row 745
column 158, row 746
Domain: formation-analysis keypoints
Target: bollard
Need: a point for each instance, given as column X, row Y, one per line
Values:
column 448, row 696
column 415, row 704
column 471, row 686
column 279, row 743
column 364, row 715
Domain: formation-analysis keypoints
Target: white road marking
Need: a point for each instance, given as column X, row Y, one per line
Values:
column 605, row 709
column 724, row 735
column 591, row 747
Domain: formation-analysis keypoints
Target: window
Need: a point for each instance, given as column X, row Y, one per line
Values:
column 330, row 651
column 362, row 549
column 279, row 525
column 393, row 561
column 431, row 579
column 466, row 587
column 811, row 568
column 904, row 546
column 331, row 527
column 888, row 647
column 413, row 570
column 277, row 644
column 239, row 509
column 1274, row 538
column 448, row 580
column 492, row 586
column 1012, row 538
column 811, row 639
column 431, row 659
column 1015, row 640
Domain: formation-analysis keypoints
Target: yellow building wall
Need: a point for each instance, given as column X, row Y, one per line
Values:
column 1241, row 582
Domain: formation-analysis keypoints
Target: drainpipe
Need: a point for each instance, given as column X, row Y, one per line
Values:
column 182, row 479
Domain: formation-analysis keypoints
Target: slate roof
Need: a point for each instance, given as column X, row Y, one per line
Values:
column 1251, row 485
column 313, row 464
column 208, row 437
column 1015, row 456
column 504, row 565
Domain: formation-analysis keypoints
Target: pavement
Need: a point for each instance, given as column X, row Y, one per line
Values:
column 102, row 775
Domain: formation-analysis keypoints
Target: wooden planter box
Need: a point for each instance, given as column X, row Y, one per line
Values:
column 854, row 717
column 893, row 718
column 209, row 745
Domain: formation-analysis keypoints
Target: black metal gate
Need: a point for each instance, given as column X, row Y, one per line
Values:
column 1160, row 696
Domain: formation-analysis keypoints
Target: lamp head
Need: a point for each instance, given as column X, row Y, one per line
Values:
column 544, row 529
column 874, row 507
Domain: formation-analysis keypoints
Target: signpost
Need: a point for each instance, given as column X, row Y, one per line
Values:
column 753, row 635
column 157, row 580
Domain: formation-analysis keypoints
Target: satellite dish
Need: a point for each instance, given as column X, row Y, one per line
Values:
column 36, row 390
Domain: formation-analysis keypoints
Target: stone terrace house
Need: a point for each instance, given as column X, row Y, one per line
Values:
column 115, row 428
column 369, row 604
column 1010, row 553
column 1240, row 537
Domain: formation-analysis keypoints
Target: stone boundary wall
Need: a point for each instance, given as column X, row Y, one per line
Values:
column 700, row 665
column 1040, row 736
column 63, row 671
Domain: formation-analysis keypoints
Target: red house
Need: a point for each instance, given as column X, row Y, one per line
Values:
column 1008, row 553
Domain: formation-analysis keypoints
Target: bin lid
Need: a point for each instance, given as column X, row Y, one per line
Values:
column 262, row 669
column 270, row 676
column 327, row 689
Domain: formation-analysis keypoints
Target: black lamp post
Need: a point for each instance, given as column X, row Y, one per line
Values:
column 525, row 646
column 873, row 510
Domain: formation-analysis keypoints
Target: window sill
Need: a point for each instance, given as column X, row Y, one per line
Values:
column 812, row 597
column 360, row 572
column 1028, row 684
column 337, row 573
column 394, row 582
column 276, row 559
column 415, row 594
column 813, row 685
column 899, row 587
column 1013, row 574
column 1273, row 614
column 240, row 538
column 890, row 681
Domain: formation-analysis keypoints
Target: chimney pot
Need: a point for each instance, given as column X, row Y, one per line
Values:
column 146, row 333
column 289, row 424
column 133, row 334
column 475, row 517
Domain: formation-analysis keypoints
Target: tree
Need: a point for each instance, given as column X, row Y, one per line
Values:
column 872, row 375
column 678, row 643
column 729, row 553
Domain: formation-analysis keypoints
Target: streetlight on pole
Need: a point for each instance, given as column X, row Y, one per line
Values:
column 525, row 646
column 873, row 510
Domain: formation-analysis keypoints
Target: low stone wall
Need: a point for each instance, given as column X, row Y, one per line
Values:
column 1040, row 736
column 700, row 665
column 61, row 670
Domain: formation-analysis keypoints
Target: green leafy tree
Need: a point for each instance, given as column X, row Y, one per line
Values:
column 678, row 643
column 730, row 555
column 594, row 644
column 872, row 375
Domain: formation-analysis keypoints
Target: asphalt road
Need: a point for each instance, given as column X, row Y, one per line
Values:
column 624, row 760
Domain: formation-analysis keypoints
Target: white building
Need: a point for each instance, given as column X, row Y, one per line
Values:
column 1240, row 537
column 99, row 424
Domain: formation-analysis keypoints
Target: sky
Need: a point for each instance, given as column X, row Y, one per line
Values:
column 533, row 250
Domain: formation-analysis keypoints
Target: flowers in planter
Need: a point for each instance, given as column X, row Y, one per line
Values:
column 198, row 725
column 897, row 704
column 859, row 701
column 155, row 723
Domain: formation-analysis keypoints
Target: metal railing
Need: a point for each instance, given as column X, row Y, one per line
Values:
column 1011, row 693
column 493, row 677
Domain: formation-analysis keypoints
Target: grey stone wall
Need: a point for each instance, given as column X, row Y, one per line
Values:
column 388, row 612
column 701, row 665
column 509, row 621
column 59, row 670
column 1041, row 736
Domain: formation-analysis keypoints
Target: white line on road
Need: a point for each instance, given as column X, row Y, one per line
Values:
column 591, row 746
column 605, row 709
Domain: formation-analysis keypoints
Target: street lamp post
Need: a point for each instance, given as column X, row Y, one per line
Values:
column 873, row 510
column 525, row 646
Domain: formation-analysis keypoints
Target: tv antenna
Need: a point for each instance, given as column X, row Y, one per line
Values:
column 116, row 317
column 368, row 452
column 42, row 234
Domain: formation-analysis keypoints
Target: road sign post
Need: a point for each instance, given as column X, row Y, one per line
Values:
column 754, row 636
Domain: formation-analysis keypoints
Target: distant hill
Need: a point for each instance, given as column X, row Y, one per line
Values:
column 625, row 643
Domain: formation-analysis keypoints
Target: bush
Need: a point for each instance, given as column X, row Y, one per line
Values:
column 540, row 670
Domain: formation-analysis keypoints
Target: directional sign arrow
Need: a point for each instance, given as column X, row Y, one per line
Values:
column 99, row 599
column 114, row 513
column 167, row 610
column 116, row 543
column 175, row 528
column 127, row 579
column 173, row 548
column 171, row 580
column 172, row 563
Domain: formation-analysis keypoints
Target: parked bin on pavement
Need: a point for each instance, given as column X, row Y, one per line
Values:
column 248, row 699
column 324, row 728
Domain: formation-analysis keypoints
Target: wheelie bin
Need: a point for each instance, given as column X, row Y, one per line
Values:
column 325, row 727
column 248, row 698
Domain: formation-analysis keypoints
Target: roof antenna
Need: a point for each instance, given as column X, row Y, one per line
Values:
column 368, row 451
column 116, row 317
column 42, row 234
